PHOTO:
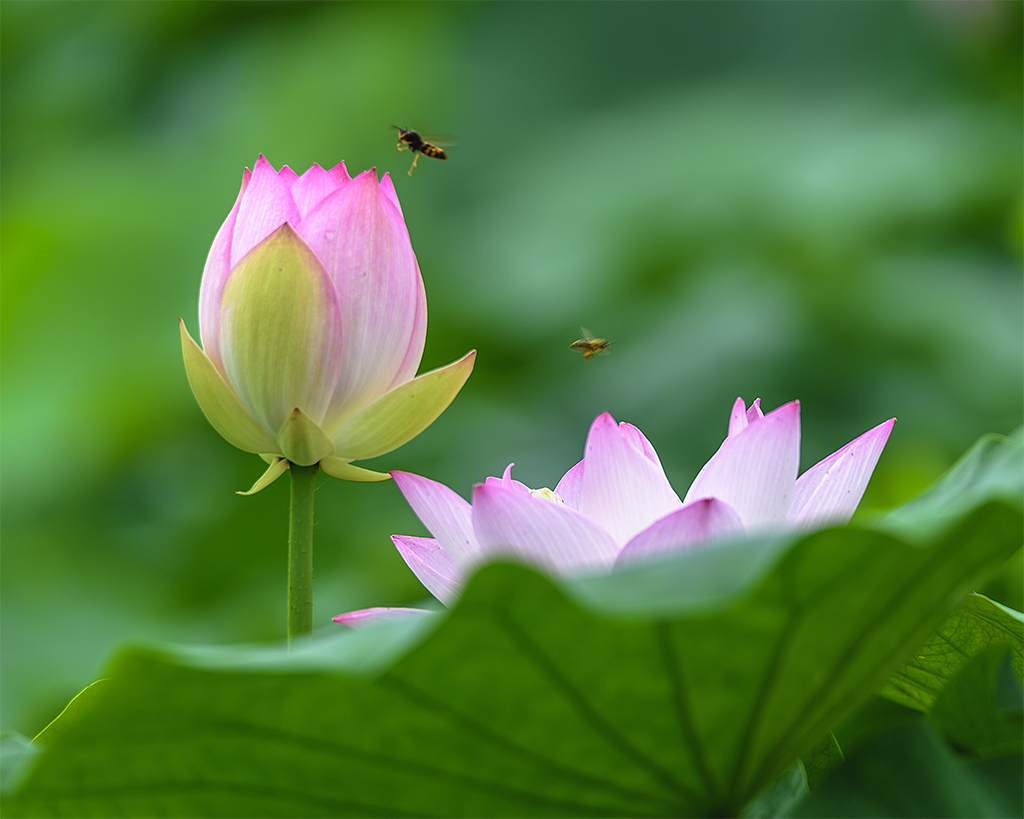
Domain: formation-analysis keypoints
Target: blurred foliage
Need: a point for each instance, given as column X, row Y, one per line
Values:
column 684, row 687
column 779, row 200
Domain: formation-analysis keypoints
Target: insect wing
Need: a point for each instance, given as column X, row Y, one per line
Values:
column 590, row 345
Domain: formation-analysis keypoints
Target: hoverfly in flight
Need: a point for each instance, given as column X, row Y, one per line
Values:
column 412, row 141
column 590, row 345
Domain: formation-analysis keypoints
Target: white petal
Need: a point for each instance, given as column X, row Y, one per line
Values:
column 542, row 533
column 431, row 564
column 699, row 522
column 624, row 486
column 444, row 513
column 828, row 492
column 570, row 487
column 754, row 471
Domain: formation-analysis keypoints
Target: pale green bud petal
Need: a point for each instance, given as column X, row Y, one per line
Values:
column 219, row 403
column 302, row 440
column 275, row 471
column 342, row 470
column 403, row 413
column 280, row 331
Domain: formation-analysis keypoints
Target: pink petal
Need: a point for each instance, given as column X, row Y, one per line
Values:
column 216, row 272
column 266, row 205
column 639, row 440
column 738, row 418
column 541, row 532
column 418, row 336
column 365, row 617
column 571, row 485
column 413, row 355
column 339, row 173
column 361, row 239
column 432, row 566
column 742, row 417
column 828, row 492
column 754, row 412
column 506, row 481
column 624, row 486
column 444, row 513
column 288, row 176
column 697, row 523
column 754, row 471
column 387, row 186
column 312, row 188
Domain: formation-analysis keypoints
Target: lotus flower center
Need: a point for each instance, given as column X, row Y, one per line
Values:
column 547, row 494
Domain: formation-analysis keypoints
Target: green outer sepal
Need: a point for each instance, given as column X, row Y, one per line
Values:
column 302, row 440
column 274, row 471
column 402, row 413
column 219, row 403
column 342, row 470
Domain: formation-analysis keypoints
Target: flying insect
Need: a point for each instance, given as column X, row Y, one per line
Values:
column 590, row 345
column 412, row 141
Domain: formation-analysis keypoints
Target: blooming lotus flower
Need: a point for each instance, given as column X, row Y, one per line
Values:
column 616, row 505
column 312, row 316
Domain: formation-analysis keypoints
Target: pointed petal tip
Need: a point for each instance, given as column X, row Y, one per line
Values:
column 370, row 174
column 604, row 421
column 303, row 441
column 787, row 409
column 882, row 431
column 738, row 420
column 365, row 617
column 432, row 565
column 343, row 470
column 829, row 492
column 339, row 173
column 276, row 469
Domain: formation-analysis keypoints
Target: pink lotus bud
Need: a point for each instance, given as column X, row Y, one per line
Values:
column 312, row 316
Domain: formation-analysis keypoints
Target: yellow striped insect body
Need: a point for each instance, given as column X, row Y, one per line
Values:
column 412, row 141
column 590, row 345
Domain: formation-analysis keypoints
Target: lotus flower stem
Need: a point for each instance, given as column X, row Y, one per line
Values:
column 300, row 552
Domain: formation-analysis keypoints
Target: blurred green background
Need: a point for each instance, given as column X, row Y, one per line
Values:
column 782, row 200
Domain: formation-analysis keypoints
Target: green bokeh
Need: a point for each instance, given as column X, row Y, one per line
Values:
column 786, row 200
